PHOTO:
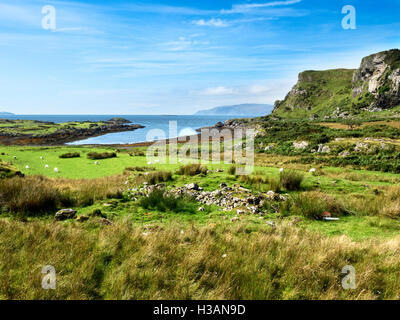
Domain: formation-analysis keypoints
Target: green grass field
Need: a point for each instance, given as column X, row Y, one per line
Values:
column 211, row 254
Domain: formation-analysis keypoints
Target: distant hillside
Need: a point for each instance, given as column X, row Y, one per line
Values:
column 341, row 93
column 6, row 113
column 239, row 110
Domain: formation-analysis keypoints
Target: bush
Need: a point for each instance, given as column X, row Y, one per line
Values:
column 70, row 155
column 100, row 156
column 31, row 196
column 162, row 201
column 291, row 180
column 192, row 170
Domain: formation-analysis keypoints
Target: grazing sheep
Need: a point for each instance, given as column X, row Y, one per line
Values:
column 15, row 158
column 27, row 167
column 281, row 170
column 149, row 162
column 96, row 163
column 56, row 170
column 313, row 170
column 41, row 158
column 46, row 166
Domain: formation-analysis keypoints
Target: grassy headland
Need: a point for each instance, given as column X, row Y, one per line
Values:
column 31, row 132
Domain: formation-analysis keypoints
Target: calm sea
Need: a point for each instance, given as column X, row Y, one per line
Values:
column 186, row 125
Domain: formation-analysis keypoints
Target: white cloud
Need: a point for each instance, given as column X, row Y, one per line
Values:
column 218, row 91
column 259, row 89
column 244, row 8
column 211, row 23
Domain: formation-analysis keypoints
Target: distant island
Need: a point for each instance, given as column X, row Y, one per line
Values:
column 3, row 113
column 238, row 110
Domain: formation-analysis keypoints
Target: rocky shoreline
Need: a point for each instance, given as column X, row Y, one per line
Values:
column 68, row 133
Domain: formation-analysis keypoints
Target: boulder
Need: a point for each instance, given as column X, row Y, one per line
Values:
column 65, row 214
column 300, row 145
column 193, row 186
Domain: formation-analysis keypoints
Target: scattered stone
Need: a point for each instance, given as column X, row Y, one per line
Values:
column 300, row 145
column 193, row 186
column 272, row 224
column 360, row 146
column 65, row 214
column 201, row 209
column 344, row 154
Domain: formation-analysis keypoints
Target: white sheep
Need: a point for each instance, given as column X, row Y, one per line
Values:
column 27, row 167
column 56, row 170
column 149, row 163
column 41, row 158
column 313, row 170
column 281, row 170
column 46, row 166
column 15, row 158
column 96, row 163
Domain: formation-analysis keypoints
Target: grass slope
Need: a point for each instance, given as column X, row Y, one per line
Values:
column 317, row 92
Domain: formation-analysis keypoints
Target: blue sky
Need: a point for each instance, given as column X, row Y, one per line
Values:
column 176, row 57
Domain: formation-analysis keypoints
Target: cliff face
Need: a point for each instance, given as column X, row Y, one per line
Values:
column 340, row 93
column 379, row 75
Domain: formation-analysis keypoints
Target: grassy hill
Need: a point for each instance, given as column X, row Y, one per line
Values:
column 317, row 93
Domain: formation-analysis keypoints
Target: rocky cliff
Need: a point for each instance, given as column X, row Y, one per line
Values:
column 341, row 93
column 379, row 78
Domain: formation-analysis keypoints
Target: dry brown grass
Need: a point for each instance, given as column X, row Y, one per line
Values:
column 181, row 262
column 337, row 125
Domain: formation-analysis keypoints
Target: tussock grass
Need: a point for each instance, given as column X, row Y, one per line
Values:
column 291, row 180
column 70, row 155
column 152, row 177
column 100, row 156
column 138, row 169
column 30, row 196
column 162, row 201
column 313, row 204
column 182, row 262
column 261, row 183
column 192, row 170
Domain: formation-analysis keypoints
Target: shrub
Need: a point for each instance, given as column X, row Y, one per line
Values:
column 192, row 170
column 162, row 201
column 291, row 180
column 100, row 156
column 70, row 155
